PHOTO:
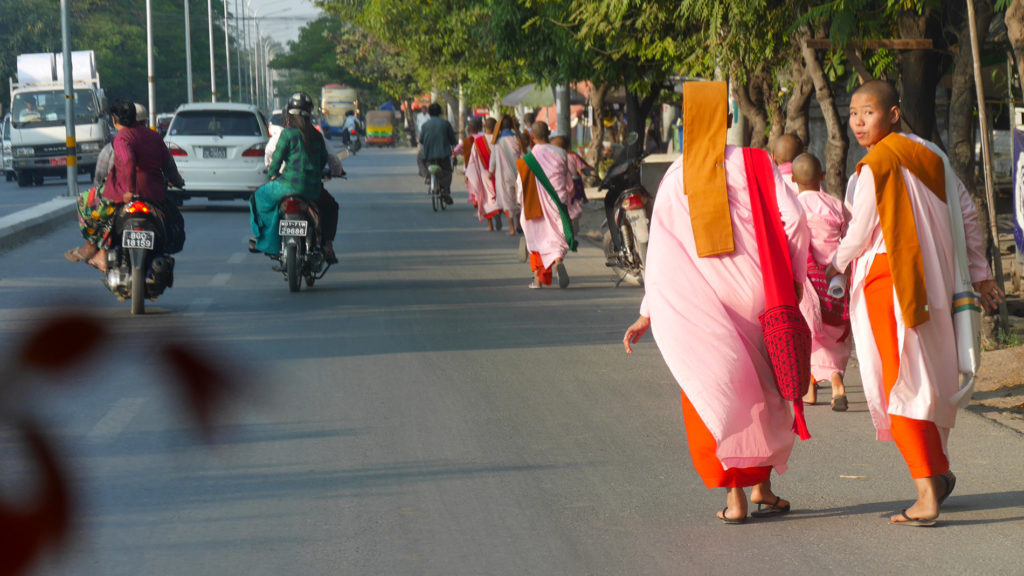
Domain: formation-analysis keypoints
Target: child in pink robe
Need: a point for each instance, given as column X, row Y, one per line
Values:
column 826, row 220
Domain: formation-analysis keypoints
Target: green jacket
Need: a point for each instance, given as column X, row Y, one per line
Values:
column 302, row 172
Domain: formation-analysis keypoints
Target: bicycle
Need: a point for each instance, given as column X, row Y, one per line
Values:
column 435, row 188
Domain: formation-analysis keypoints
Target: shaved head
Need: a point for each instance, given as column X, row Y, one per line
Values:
column 807, row 172
column 787, row 147
column 881, row 91
column 540, row 132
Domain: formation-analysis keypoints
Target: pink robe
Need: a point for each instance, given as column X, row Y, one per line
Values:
column 545, row 235
column 830, row 345
column 575, row 166
column 479, row 181
column 704, row 317
column 786, row 171
column 504, row 154
column 928, row 378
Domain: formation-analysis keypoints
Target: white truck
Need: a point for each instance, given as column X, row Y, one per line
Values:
column 38, row 133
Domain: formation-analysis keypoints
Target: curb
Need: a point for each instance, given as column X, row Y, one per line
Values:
column 22, row 226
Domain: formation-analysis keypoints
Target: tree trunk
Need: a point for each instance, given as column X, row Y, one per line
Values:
column 919, row 70
column 838, row 144
column 1015, row 32
column 596, row 148
column 637, row 111
column 798, row 106
column 962, row 119
column 753, row 112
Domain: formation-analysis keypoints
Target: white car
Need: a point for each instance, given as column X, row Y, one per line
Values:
column 219, row 149
column 6, row 158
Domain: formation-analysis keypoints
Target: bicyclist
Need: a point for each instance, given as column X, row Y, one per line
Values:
column 437, row 140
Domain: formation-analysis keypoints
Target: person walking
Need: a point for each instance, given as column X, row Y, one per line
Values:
column 506, row 149
column 898, row 254
column 704, row 293
column 543, row 188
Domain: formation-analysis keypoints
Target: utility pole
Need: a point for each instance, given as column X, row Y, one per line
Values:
column 188, row 52
column 151, row 74
column 213, row 69
column 227, row 50
column 69, row 100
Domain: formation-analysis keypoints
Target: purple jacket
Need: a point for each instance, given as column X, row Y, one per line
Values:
column 139, row 156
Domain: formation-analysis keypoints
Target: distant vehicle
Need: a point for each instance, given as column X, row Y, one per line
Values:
column 38, row 134
column 276, row 121
column 163, row 122
column 219, row 149
column 380, row 128
column 6, row 161
column 335, row 101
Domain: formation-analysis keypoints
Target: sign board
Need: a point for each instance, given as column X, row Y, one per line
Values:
column 481, row 111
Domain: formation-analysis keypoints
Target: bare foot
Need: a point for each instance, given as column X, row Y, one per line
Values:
column 99, row 261
column 927, row 505
column 735, row 506
column 811, row 397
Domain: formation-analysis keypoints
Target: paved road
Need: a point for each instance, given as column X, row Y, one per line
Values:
column 14, row 198
column 420, row 411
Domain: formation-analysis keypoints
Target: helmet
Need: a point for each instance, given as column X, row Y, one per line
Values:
column 300, row 103
column 141, row 115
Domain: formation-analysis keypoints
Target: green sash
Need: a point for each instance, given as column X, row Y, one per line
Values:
column 563, row 212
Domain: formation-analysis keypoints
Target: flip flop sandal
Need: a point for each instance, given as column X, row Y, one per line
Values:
column 74, row 255
column 950, row 479
column 769, row 510
column 915, row 522
column 534, row 286
column 726, row 520
column 840, row 404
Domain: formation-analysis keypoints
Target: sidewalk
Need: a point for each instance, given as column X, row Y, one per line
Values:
column 20, row 226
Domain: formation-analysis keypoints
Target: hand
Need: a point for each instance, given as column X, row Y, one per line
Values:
column 991, row 294
column 799, row 289
column 128, row 197
column 634, row 332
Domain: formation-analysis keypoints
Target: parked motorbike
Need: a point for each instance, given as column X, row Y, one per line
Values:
column 629, row 207
column 301, row 256
column 138, row 266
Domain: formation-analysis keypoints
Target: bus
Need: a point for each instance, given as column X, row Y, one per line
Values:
column 335, row 101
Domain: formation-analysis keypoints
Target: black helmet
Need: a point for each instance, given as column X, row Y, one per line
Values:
column 300, row 103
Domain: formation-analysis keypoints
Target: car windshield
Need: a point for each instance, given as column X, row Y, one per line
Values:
column 277, row 119
column 47, row 108
column 215, row 123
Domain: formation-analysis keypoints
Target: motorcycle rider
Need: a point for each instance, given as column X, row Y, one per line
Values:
column 296, row 169
column 437, row 140
column 327, row 206
column 138, row 171
column 351, row 127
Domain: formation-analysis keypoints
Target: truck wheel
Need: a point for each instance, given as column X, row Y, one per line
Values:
column 38, row 179
column 24, row 179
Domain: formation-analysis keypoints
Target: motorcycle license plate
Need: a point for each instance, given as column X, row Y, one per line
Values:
column 144, row 239
column 215, row 152
column 292, row 228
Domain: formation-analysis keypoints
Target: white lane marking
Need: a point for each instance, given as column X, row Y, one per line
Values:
column 199, row 305
column 220, row 279
column 116, row 419
column 237, row 258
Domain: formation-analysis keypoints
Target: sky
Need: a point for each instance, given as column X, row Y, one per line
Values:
column 282, row 20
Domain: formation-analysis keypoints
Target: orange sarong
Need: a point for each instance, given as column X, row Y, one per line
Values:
column 537, row 264
column 703, row 449
column 918, row 440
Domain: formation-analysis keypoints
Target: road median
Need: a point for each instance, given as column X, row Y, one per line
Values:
column 21, row 226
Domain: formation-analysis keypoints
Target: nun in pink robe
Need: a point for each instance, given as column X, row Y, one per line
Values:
column 703, row 313
column 479, row 180
column 545, row 235
column 830, row 345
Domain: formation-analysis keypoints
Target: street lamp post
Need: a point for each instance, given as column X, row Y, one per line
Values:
column 227, row 50
column 188, row 52
column 213, row 70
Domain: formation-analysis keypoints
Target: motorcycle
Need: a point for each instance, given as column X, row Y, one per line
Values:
column 301, row 256
column 629, row 207
column 138, row 266
column 354, row 142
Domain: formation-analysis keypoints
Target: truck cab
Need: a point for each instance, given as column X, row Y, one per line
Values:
column 38, row 133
